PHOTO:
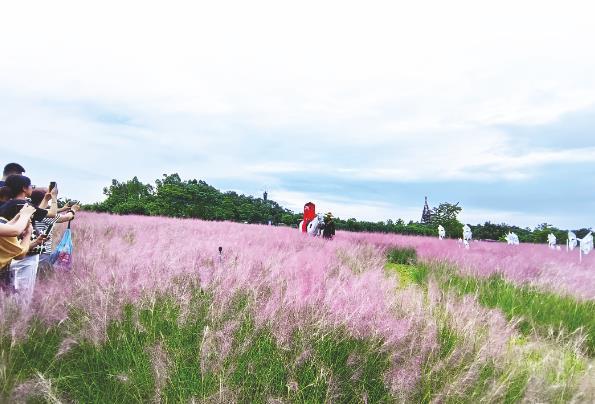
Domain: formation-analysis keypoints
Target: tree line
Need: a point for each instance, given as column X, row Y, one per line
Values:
column 172, row 196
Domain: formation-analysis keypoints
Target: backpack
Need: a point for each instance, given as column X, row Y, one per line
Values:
column 61, row 258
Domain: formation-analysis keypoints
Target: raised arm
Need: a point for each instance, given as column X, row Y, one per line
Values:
column 53, row 211
column 19, row 223
column 68, row 216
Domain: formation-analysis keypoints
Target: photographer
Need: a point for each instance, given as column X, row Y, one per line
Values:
column 23, row 270
column 46, row 226
column 10, row 245
column 19, row 190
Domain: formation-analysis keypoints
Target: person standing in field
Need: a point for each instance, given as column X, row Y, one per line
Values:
column 329, row 226
column 15, row 240
column 46, row 226
column 23, row 269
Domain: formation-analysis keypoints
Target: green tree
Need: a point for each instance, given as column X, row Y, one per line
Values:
column 127, row 197
column 446, row 214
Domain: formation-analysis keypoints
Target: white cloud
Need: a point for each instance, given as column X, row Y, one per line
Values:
column 389, row 90
column 345, row 208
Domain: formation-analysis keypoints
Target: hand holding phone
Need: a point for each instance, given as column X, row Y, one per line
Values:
column 48, row 231
column 53, row 189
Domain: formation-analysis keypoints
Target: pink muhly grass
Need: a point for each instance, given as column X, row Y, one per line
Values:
column 293, row 283
column 119, row 259
column 534, row 264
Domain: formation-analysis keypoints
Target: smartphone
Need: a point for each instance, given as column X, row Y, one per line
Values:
column 52, row 185
column 48, row 230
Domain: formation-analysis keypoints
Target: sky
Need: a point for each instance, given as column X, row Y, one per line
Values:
column 364, row 108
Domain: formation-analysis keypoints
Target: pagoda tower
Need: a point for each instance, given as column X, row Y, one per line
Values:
column 426, row 215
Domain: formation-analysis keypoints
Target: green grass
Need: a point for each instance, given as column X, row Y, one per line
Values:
column 540, row 312
column 342, row 369
column 546, row 313
column 402, row 255
column 317, row 365
column 120, row 369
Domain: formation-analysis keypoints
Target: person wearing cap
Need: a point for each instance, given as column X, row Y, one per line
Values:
column 329, row 226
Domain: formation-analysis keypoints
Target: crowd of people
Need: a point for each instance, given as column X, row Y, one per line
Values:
column 28, row 218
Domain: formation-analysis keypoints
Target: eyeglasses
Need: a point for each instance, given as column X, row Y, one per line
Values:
column 33, row 186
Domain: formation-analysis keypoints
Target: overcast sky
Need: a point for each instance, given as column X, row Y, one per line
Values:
column 363, row 107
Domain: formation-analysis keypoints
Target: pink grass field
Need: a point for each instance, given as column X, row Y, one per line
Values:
column 121, row 258
column 534, row 264
column 295, row 283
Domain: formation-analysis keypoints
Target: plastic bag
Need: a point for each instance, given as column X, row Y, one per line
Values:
column 61, row 258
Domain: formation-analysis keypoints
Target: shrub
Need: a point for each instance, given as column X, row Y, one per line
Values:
column 402, row 255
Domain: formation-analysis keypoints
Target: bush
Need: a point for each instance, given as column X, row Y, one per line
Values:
column 402, row 255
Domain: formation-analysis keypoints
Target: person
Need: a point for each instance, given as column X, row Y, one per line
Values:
column 19, row 191
column 329, row 226
column 11, row 247
column 10, row 169
column 23, row 269
column 46, row 226
column 4, row 194
column 18, row 224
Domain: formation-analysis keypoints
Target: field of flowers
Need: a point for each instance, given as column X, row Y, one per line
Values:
column 534, row 264
column 151, row 312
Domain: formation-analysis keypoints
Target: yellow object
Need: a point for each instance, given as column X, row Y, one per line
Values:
column 10, row 247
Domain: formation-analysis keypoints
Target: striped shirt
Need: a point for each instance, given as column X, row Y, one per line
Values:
column 40, row 228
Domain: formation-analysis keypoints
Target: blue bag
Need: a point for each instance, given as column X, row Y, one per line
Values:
column 61, row 258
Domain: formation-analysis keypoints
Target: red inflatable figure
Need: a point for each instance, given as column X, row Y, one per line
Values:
column 309, row 214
